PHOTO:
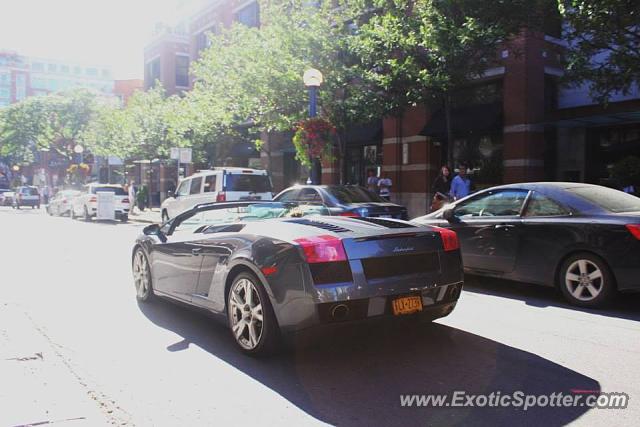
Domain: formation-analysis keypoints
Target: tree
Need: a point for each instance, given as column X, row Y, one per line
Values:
column 604, row 45
column 417, row 52
column 254, row 76
column 54, row 122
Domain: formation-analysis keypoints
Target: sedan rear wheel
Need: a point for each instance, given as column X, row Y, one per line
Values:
column 251, row 319
column 586, row 281
column 142, row 276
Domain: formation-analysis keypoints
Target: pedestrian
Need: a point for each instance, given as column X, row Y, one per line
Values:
column 630, row 189
column 461, row 184
column 45, row 194
column 385, row 183
column 441, row 188
column 372, row 181
column 131, row 190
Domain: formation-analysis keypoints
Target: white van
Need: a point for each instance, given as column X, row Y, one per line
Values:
column 218, row 185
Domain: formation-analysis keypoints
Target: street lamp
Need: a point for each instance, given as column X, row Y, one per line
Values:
column 79, row 149
column 312, row 80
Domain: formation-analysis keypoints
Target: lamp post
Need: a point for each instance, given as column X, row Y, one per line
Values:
column 312, row 80
column 79, row 149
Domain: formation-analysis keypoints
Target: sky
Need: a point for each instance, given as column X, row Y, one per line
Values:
column 91, row 32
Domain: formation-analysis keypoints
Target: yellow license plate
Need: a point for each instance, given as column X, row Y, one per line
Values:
column 406, row 305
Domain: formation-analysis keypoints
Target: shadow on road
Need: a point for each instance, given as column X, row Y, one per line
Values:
column 355, row 377
column 624, row 306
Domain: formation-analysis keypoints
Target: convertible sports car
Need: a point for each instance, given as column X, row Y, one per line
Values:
column 272, row 268
column 582, row 238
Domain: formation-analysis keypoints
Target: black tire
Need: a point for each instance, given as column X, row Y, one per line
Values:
column 269, row 341
column 142, row 295
column 124, row 217
column 580, row 275
column 165, row 216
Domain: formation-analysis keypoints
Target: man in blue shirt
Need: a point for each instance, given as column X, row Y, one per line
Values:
column 461, row 184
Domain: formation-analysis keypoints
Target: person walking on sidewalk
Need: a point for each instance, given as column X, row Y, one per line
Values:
column 385, row 184
column 131, row 190
column 441, row 188
column 461, row 184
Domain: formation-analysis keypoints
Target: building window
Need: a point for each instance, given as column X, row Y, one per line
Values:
column 483, row 155
column 91, row 71
column 106, row 73
column 52, row 68
column 64, row 69
column 5, row 79
column 202, row 39
column 182, row 70
column 37, row 66
column 153, row 71
column 77, row 70
column 4, row 92
column 249, row 15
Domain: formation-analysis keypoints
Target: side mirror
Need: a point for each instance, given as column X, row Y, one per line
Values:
column 154, row 230
column 449, row 215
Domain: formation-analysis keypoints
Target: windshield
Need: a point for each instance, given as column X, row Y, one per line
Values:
column 249, row 183
column 354, row 195
column 245, row 213
column 118, row 190
column 608, row 199
column 29, row 191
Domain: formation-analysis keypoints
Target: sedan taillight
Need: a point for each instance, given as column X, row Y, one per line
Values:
column 350, row 214
column 125, row 200
column 221, row 197
column 93, row 199
column 319, row 249
column 449, row 239
column 634, row 229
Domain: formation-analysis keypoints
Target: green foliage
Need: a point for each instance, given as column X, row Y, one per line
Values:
column 604, row 45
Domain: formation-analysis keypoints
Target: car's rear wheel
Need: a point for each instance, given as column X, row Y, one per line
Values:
column 585, row 281
column 251, row 319
column 142, row 276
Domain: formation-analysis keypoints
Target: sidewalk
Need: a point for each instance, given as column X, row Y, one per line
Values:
column 37, row 386
column 148, row 216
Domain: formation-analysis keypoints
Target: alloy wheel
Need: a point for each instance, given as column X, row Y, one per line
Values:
column 584, row 280
column 141, row 275
column 246, row 317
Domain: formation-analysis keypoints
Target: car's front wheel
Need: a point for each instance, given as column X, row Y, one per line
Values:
column 142, row 276
column 251, row 319
column 585, row 281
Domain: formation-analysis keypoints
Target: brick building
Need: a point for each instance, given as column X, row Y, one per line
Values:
column 514, row 124
column 123, row 89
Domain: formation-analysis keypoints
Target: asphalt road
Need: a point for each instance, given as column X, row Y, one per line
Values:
column 76, row 348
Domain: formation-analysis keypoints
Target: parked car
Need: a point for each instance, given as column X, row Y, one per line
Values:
column 217, row 185
column 26, row 196
column 85, row 205
column 343, row 200
column 61, row 204
column 583, row 239
column 6, row 197
column 271, row 268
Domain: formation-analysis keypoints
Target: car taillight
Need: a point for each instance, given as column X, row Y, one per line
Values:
column 221, row 197
column 350, row 214
column 64, row 201
column 125, row 200
column 322, row 249
column 449, row 239
column 93, row 199
column 634, row 229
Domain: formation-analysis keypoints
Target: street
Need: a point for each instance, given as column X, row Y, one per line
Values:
column 79, row 350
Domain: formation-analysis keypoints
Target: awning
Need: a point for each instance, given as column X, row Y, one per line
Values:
column 243, row 149
column 471, row 119
column 604, row 119
column 365, row 134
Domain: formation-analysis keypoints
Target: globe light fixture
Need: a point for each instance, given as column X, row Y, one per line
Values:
column 312, row 78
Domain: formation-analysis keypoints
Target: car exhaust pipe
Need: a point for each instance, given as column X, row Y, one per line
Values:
column 339, row 312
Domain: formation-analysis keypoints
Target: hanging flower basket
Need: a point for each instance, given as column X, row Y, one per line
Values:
column 78, row 173
column 312, row 140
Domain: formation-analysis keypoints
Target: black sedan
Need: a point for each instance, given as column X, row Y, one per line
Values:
column 271, row 268
column 584, row 239
column 343, row 200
